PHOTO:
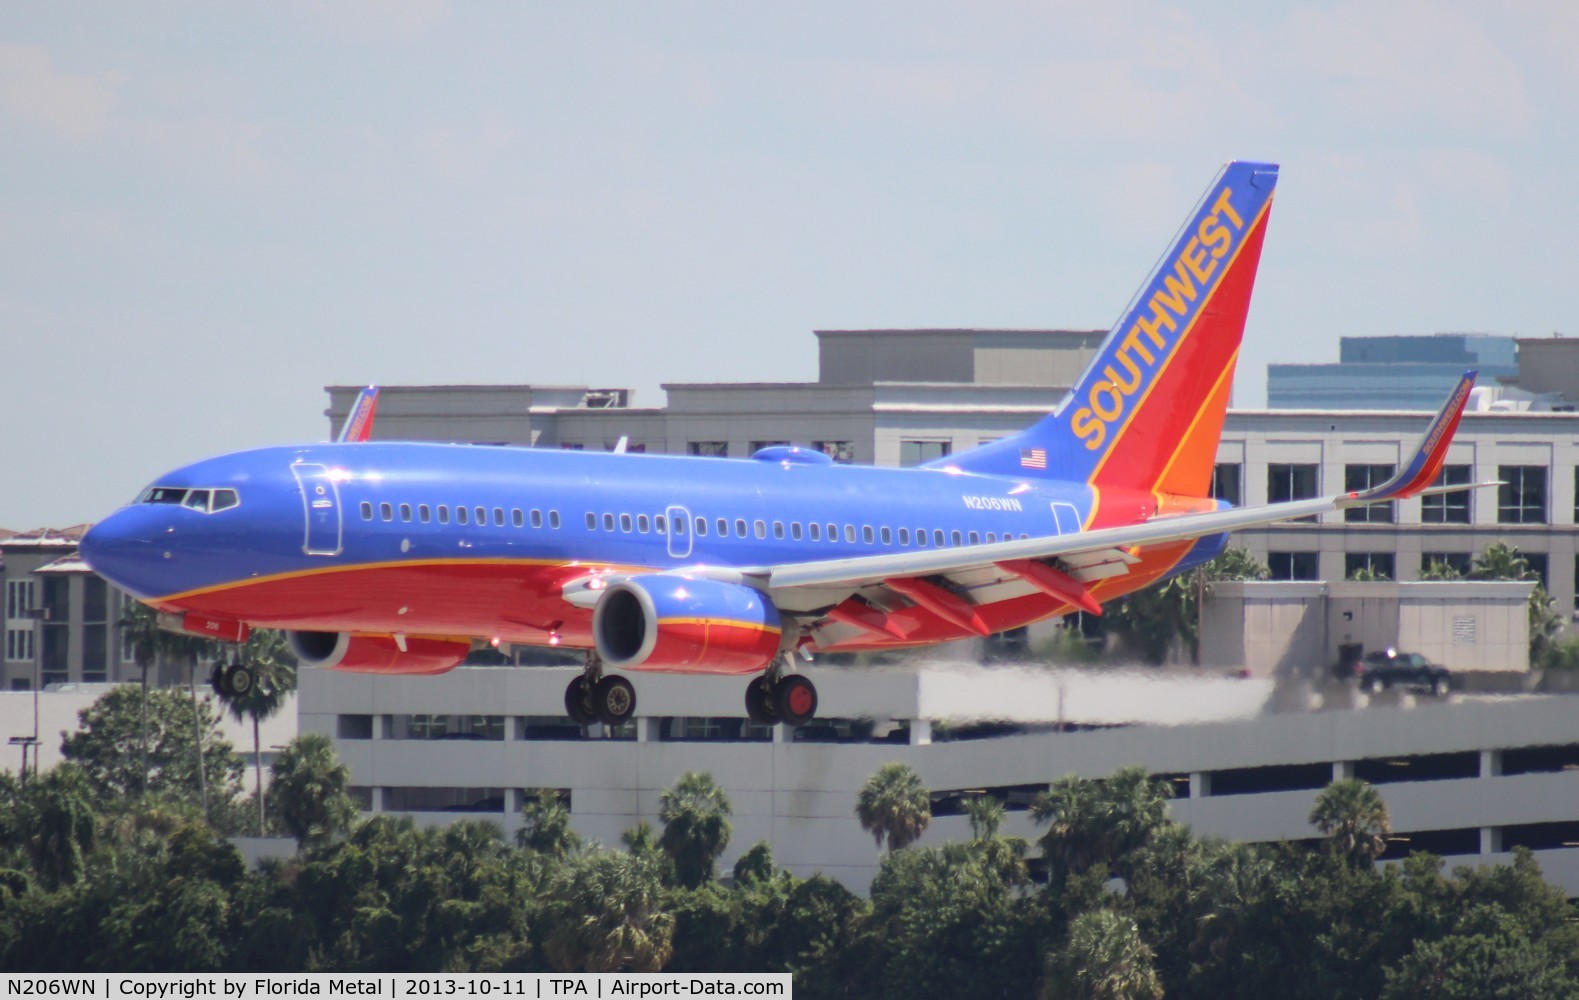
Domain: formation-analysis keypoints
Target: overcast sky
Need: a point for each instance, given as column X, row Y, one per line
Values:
column 210, row 211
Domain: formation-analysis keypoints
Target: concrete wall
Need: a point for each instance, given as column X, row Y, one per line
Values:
column 1279, row 628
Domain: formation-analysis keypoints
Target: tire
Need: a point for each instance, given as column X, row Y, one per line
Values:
column 614, row 700
column 216, row 680
column 238, row 680
column 795, row 699
column 1440, row 687
column 759, row 702
column 578, row 705
column 1375, row 685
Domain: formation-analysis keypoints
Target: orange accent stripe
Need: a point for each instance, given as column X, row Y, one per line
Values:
column 721, row 622
column 1187, row 443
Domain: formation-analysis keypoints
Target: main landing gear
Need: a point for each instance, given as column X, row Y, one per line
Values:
column 777, row 697
column 592, row 697
column 233, row 680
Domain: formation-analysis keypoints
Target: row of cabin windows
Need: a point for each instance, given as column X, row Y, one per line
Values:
column 1521, row 497
column 814, row 531
column 463, row 515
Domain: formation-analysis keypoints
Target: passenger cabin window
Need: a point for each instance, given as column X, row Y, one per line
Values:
column 444, row 513
column 553, row 519
column 887, row 536
column 740, row 526
column 833, row 532
column 625, row 523
column 795, row 530
column 537, row 519
column 778, row 529
column 954, row 538
column 660, row 524
column 921, row 537
column 405, row 512
column 367, row 511
column 816, row 531
column 975, row 538
column 761, row 529
column 498, row 517
column 608, row 522
column 424, row 513
column 937, row 537
column 592, row 521
column 701, row 527
column 849, row 533
column 518, row 519
column 482, row 516
column 866, row 533
column 461, row 515
column 643, row 523
column 386, row 512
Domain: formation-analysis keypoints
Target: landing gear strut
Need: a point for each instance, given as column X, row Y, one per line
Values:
column 593, row 697
column 779, row 697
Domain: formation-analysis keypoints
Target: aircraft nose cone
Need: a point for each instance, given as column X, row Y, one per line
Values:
column 122, row 548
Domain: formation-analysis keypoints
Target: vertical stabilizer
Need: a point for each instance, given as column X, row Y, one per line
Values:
column 1148, row 412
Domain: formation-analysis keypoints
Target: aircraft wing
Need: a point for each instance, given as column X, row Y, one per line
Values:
column 1113, row 543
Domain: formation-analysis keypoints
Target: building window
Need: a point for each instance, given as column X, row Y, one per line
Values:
column 571, row 446
column 708, row 449
column 1539, row 565
column 1459, row 562
column 1448, row 508
column 1293, row 566
column 488, row 800
column 1228, row 483
column 1291, row 482
column 842, row 452
column 19, row 645
column 18, row 598
column 1358, row 479
column 917, row 452
column 1521, row 499
column 1368, row 565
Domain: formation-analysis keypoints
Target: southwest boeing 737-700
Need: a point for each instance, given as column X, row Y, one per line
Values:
column 401, row 557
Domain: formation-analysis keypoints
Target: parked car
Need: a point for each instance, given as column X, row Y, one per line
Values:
column 1384, row 668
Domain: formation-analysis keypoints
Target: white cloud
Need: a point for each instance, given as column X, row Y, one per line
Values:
column 33, row 89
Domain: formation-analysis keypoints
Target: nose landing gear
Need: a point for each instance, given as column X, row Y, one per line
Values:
column 233, row 680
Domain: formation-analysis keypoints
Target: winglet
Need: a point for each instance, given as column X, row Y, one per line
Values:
column 1429, row 454
column 358, row 425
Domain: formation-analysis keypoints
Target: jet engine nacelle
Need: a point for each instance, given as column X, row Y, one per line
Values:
column 683, row 625
column 377, row 654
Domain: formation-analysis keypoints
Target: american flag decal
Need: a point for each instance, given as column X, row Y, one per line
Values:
column 1033, row 458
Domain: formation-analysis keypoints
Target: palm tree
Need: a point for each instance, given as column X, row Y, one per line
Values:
column 1003, row 855
column 894, row 806
column 696, row 828
column 546, row 828
column 274, row 678
column 607, row 916
column 57, row 823
column 1501, row 561
column 1104, row 958
column 1072, row 814
column 1352, row 816
column 307, row 790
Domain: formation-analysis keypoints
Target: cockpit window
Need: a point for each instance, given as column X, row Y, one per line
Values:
column 204, row 500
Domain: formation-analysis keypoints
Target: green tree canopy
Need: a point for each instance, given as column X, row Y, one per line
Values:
column 696, row 829
column 894, row 807
column 308, row 790
column 1350, row 813
column 106, row 746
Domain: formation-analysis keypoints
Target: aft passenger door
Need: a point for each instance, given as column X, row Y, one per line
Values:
column 321, row 508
